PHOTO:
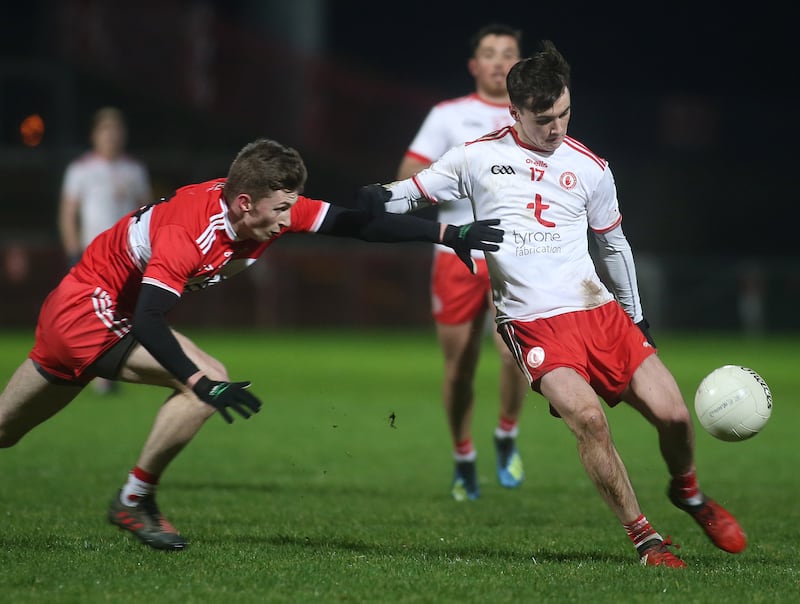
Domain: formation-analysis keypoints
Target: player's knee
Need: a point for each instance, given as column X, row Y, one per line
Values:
column 215, row 370
column 590, row 422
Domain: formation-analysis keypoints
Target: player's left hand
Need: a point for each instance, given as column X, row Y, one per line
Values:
column 372, row 199
column 227, row 395
column 644, row 326
column 479, row 235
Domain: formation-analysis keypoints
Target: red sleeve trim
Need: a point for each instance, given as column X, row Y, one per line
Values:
column 610, row 228
column 417, row 157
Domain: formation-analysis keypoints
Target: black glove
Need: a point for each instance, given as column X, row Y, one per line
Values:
column 645, row 327
column 222, row 395
column 473, row 236
column 372, row 199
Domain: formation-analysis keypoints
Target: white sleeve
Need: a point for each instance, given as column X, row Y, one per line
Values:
column 603, row 206
column 406, row 197
column 433, row 137
column 615, row 253
column 441, row 181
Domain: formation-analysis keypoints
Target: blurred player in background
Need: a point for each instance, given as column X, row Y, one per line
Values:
column 461, row 300
column 108, row 316
column 99, row 188
column 575, row 340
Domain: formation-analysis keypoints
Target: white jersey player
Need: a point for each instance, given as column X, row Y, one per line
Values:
column 100, row 186
column 545, row 201
column 460, row 301
column 569, row 334
column 448, row 124
column 105, row 190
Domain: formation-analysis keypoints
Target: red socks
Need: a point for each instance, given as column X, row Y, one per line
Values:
column 640, row 531
column 464, row 450
column 685, row 487
column 140, row 484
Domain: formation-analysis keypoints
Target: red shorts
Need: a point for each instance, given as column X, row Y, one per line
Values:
column 602, row 344
column 458, row 296
column 77, row 324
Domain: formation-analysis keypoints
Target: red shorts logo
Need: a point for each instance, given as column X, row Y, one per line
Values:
column 535, row 356
column 568, row 180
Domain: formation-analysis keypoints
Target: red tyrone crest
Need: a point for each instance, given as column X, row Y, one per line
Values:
column 535, row 356
column 568, row 180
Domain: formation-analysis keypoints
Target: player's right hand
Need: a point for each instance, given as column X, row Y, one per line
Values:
column 479, row 235
column 225, row 395
column 371, row 199
column 644, row 326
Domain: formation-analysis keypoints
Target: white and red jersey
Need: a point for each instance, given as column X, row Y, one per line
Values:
column 180, row 244
column 451, row 123
column 545, row 201
column 105, row 189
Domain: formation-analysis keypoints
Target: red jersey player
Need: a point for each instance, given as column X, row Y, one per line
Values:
column 574, row 340
column 107, row 317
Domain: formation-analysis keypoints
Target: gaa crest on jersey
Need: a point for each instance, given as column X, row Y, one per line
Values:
column 535, row 356
column 497, row 169
column 568, row 180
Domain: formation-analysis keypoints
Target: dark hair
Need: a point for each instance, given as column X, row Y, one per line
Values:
column 264, row 166
column 493, row 29
column 536, row 83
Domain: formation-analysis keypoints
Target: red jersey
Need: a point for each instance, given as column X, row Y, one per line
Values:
column 183, row 243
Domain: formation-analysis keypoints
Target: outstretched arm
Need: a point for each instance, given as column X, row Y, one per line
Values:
column 379, row 227
column 370, row 223
column 479, row 235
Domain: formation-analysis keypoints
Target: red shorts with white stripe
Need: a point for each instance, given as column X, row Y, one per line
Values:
column 77, row 324
column 458, row 296
column 602, row 344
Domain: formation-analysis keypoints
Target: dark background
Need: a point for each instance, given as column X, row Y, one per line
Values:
column 692, row 105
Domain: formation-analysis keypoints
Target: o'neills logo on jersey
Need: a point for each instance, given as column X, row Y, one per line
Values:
column 568, row 180
column 502, row 169
column 535, row 356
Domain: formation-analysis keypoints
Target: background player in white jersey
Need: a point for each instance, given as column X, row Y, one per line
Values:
column 99, row 188
column 460, row 300
column 571, row 337
column 107, row 317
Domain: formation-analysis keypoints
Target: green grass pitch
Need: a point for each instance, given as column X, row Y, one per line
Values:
column 321, row 497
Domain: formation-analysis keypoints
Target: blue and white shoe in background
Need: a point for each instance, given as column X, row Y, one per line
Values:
column 510, row 472
column 465, row 482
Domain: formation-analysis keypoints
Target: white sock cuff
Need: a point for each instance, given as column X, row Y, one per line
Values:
column 471, row 456
column 500, row 433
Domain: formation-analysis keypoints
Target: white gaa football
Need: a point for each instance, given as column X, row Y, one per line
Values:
column 733, row 403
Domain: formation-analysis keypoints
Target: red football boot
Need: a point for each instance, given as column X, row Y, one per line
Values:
column 716, row 522
column 656, row 553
